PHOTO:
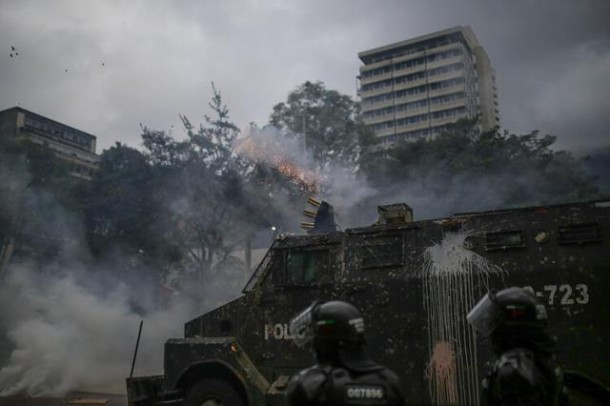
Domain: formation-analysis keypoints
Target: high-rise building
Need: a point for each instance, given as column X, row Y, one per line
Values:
column 414, row 88
column 68, row 144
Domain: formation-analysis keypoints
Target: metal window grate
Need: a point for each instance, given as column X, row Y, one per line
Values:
column 580, row 234
column 260, row 270
column 378, row 252
column 504, row 240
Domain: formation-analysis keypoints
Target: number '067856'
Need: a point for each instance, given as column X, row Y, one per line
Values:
column 563, row 295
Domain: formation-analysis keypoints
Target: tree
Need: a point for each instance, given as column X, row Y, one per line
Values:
column 212, row 143
column 597, row 163
column 37, row 199
column 463, row 169
column 327, row 120
column 202, row 188
column 120, row 205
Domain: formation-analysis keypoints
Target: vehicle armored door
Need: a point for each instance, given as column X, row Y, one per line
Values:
column 301, row 275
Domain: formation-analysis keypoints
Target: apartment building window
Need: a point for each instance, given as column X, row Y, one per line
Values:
column 447, row 98
column 414, row 76
column 412, row 91
column 412, row 120
column 376, row 85
column 449, row 113
column 383, row 126
column 446, row 83
column 446, row 69
column 412, row 106
column 377, row 99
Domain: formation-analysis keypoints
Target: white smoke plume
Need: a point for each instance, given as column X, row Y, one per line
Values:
column 68, row 337
column 340, row 185
column 69, row 322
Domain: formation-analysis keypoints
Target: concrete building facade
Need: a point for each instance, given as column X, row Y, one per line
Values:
column 414, row 88
column 69, row 144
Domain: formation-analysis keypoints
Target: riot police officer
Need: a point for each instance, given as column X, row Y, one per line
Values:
column 343, row 374
column 525, row 371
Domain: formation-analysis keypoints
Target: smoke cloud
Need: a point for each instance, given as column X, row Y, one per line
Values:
column 68, row 322
column 340, row 185
column 68, row 337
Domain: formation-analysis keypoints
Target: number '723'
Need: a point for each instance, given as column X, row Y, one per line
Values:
column 564, row 294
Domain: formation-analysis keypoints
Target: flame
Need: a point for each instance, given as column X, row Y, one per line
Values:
column 267, row 153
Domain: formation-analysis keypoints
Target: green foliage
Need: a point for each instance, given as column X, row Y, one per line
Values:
column 204, row 199
column 327, row 120
column 162, row 150
column 35, row 187
column 120, row 211
column 213, row 142
column 181, row 206
column 502, row 169
column 597, row 163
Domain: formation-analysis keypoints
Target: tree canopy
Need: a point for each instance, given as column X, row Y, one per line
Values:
column 465, row 169
column 201, row 197
column 328, row 121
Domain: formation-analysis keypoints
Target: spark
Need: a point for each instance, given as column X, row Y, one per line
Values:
column 269, row 154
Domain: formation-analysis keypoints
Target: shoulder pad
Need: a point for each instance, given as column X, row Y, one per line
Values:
column 308, row 383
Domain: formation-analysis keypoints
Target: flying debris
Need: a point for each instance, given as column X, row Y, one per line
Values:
column 12, row 48
column 65, row 70
column 268, row 153
column 323, row 215
column 103, row 64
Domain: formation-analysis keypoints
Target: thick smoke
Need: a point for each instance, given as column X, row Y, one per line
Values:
column 431, row 186
column 71, row 330
column 436, row 185
column 436, row 193
column 68, row 337
column 340, row 185
column 68, row 322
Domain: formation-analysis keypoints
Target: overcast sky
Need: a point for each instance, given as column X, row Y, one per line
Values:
column 106, row 66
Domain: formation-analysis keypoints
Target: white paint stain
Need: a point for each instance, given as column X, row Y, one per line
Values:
column 454, row 279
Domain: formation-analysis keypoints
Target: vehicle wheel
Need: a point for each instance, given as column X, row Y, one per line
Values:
column 213, row 392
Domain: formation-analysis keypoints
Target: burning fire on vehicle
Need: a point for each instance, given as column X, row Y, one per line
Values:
column 275, row 155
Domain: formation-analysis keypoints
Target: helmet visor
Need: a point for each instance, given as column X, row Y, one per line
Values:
column 486, row 315
column 301, row 326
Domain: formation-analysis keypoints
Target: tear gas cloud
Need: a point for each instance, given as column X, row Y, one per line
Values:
column 74, row 331
column 433, row 191
column 338, row 184
column 70, row 323
column 68, row 337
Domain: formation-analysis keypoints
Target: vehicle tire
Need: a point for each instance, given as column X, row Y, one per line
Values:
column 213, row 392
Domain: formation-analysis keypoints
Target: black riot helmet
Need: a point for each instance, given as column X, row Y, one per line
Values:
column 337, row 331
column 333, row 321
column 511, row 307
column 512, row 317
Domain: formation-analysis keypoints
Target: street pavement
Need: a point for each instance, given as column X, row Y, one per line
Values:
column 73, row 399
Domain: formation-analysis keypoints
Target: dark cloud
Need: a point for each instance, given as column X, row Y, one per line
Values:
column 551, row 58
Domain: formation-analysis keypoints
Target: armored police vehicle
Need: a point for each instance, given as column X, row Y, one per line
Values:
column 414, row 282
